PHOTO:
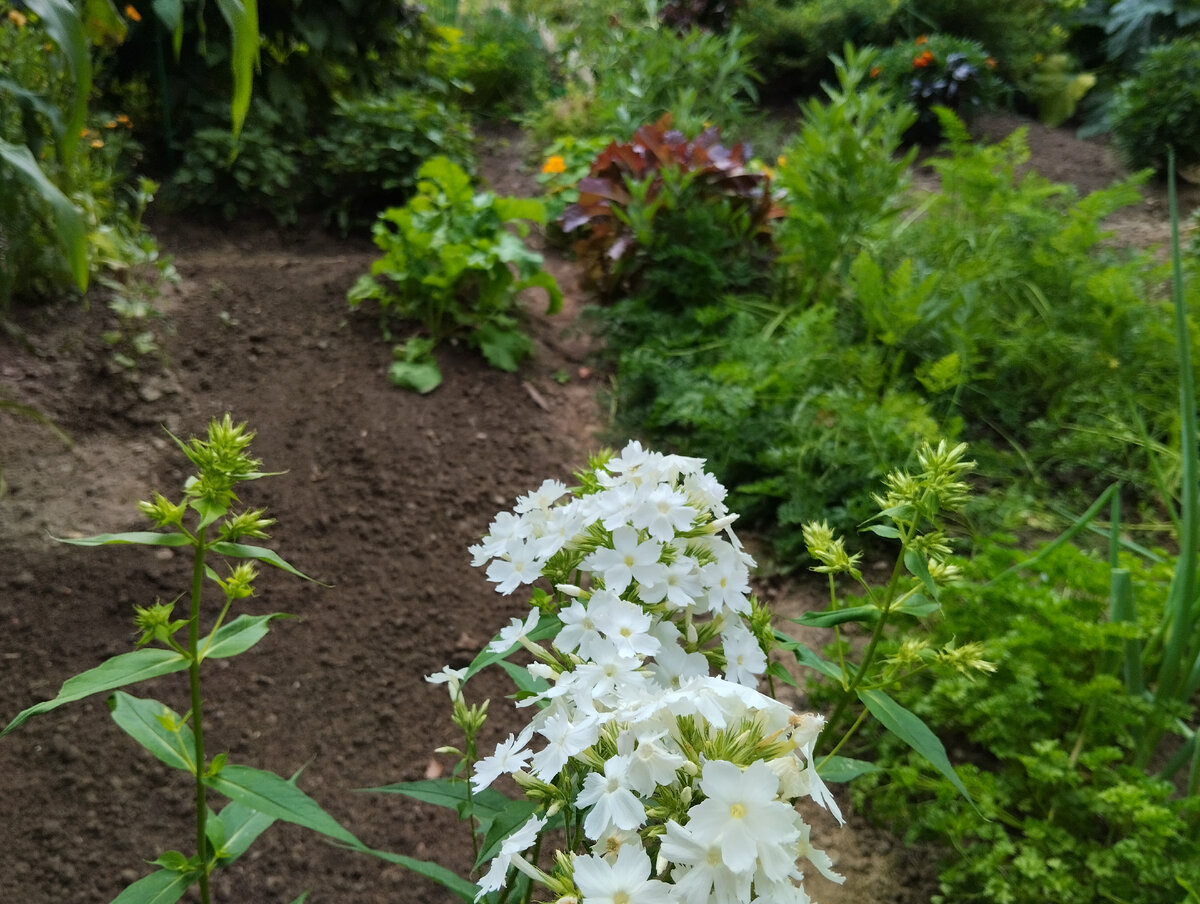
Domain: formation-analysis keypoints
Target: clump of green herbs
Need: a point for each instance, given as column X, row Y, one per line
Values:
column 452, row 265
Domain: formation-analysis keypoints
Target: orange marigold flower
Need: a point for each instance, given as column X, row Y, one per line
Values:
column 991, row 62
column 84, row 133
column 111, row 124
column 875, row 70
column 123, row 119
column 555, row 164
column 132, row 13
column 920, row 62
column 17, row 18
column 97, row 143
column 922, row 39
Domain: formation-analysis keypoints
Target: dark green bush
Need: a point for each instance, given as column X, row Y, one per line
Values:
column 1160, row 106
column 503, row 61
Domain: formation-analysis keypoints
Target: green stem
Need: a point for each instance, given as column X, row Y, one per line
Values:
column 198, row 713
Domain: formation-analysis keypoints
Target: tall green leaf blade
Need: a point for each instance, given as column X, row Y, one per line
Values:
column 141, row 719
column 117, row 672
column 441, row 792
column 163, row 887
column 913, row 732
column 268, row 793
column 68, row 221
column 242, row 18
column 242, row 826
column 807, row 657
column 170, row 14
column 238, row 636
column 63, row 24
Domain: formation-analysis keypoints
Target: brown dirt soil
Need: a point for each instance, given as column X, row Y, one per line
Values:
column 383, row 493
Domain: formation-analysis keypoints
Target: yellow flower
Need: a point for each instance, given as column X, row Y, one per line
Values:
column 781, row 160
column 132, row 13
column 124, row 120
column 17, row 18
column 97, row 143
column 555, row 164
column 111, row 124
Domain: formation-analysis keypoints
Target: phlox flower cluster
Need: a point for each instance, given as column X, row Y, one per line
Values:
column 673, row 777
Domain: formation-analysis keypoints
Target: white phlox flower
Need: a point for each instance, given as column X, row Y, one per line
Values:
column 624, row 624
column 453, row 678
column 628, row 559
column 520, row 840
column 519, row 565
column 613, row 803
column 514, row 632
column 702, row 875
column 509, row 756
column 651, row 762
column 626, row 880
column 744, row 658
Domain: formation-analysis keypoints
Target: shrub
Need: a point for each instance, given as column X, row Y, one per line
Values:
column 369, row 157
column 671, row 218
column 1160, row 106
column 449, row 264
column 641, row 73
column 794, row 38
column 842, row 181
column 938, row 70
column 505, row 64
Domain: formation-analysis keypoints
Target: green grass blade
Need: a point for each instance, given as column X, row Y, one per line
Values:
column 138, row 537
column 63, row 24
column 1178, row 659
column 1124, row 609
column 242, row 18
column 119, row 671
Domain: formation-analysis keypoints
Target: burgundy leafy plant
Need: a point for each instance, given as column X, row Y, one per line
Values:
column 646, row 199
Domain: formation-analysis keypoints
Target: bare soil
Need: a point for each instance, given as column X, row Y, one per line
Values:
column 383, row 492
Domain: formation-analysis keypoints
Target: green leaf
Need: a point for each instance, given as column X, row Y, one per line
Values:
column 520, row 209
column 913, row 732
column 545, row 281
column 242, row 825
column 238, row 636
column 242, row 18
column 843, row 768
column 918, row 606
column 137, row 537
column 438, row 873
column 415, row 367
column 303, row 897
column 163, row 887
column 268, row 793
column 917, row 566
column 259, row 553
column 503, row 824
column 63, row 24
column 119, row 671
column 867, row 614
column 174, row 861
column 145, row 721
column 170, row 14
column 807, row 657
column 102, row 23
column 68, row 221
column 504, row 347
column 441, row 792
column 884, row 530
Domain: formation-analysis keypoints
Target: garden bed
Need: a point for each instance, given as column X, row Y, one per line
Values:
column 384, row 491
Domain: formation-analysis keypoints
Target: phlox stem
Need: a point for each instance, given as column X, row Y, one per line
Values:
column 198, row 712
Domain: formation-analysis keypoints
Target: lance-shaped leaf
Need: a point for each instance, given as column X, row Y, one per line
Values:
column 435, row 871
column 122, row 670
column 868, row 614
column 163, row 887
column 242, row 18
column 238, row 636
column 268, row 793
column 137, row 537
column 68, row 221
column 259, row 553
column 807, row 657
column 913, row 732
column 843, row 768
column 146, row 722
column 63, row 24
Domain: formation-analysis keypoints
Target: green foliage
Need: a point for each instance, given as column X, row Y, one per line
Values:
column 1160, row 106
column 1061, row 816
column 842, row 179
column 938, row 70
column 799, row 425
column 70, row 208
column 711, row 15
column 793, row 39
column 566, row 161
column 640, row 73
column 672, row 219
column 503, row 61
column 449, row 262
column 369, row 157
